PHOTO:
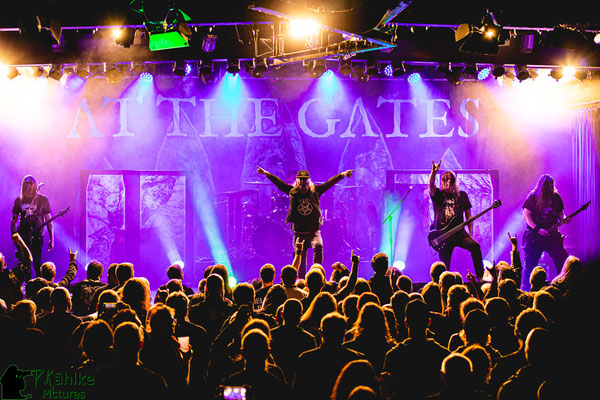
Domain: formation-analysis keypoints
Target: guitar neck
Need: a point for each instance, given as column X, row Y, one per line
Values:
column 559, row 223
column 463, row 224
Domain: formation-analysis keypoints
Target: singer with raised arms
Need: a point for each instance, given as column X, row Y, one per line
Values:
column 451, row 207
column 304, row 212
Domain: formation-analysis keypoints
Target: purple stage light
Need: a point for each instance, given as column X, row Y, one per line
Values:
column 388, row 71
column 414, row 78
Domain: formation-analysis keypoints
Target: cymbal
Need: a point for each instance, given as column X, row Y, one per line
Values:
column 348, row 187
column 258, row 183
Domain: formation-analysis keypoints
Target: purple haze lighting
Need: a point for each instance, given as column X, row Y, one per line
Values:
column 146, row 77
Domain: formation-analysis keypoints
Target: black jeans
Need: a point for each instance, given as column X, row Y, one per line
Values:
column 464, row 241
column 315, row 240
column 533, row 247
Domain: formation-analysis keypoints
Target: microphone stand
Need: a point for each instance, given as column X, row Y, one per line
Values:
column 388, row 218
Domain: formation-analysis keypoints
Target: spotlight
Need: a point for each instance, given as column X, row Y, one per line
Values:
column 398, row 68
column 38, row 72
column 556, row 73
column 256, row 68
column 498, row 71
column 112, row 73
column 388, row 71
column 481, row 39
column 345, row 67
column 82, row 70
column 146, row 77
column 209, row 43
column 12, row 72
column 205, row 72
column 180, row 68
column 453, row 75
column 522, row 72
column 55, row 71
column 124, row 37
column 581, row 74
column 301, row 28
column 372, row 69
column 316, row 68
column 139, row 67
column 233, row 66
column 484, row 73
column 597, row 38
column 413, row 78
column 470, row 69
column 359, row 72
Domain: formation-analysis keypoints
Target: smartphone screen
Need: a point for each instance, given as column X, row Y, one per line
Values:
column 234, row 393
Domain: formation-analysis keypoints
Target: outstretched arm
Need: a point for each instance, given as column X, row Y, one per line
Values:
column 333, row 180
column 434, row 169
column 277, row 181
column 349, row 287
column 298, row 254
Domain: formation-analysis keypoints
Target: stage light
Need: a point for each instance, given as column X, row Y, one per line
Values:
column 233, row 66
column 124, row 37
column 139, row 67
column 55, row 71
column 205, row 73
column 498, row 71
column 522, row 72
column 413, row 78
column 316, row 68
column 481, row 39
column 112, row 73
column 82, row 70
column 12, row 72
column 581, row 74
column 454, row 76
column 568, row 72
column 209, row 42
column 345, row 67
column 146, row 77
column 256, row 68
column 38, row 72
column 470, row 69
column 398, row 68
column 388, row 71
column 372, row 69
column 597, row 38
column 181, row 68
column 484, row 73
column 359, row 72
column 301, row 28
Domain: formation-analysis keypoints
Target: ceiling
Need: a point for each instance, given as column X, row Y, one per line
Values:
column 420, row 31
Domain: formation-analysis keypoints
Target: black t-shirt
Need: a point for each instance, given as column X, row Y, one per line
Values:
column 31, row 215
column 544, row 215
column 446, row 206
column 305, row 211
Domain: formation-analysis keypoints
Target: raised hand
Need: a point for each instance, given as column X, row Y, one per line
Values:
column 355, row 259
column 299, row 245
column 72, row 255
column 513, row 241
column 435, row 167
column 348, row 173
column 261, row 171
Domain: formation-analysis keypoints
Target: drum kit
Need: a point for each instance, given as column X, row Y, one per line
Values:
column 260, row 229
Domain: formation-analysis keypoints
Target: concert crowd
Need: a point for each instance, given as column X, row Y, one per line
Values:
column 317, row 337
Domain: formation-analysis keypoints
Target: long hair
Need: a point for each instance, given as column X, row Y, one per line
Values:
column 449, row 183
column 297, row 186
column 544, row 189
column 29, row 189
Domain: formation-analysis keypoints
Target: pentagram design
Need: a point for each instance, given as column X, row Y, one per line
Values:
column 305, row 208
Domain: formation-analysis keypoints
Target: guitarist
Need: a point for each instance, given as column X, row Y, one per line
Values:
column 451, row 207
column 31, row 209
column 542, row 209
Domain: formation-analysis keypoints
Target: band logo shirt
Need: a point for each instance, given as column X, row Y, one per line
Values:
column 449, row 209
column 31, row 215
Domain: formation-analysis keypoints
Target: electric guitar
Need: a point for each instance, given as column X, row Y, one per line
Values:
column 554, row 228
column 439, row 237
column 33, row 231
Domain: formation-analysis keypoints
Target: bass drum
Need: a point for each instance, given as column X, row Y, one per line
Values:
column 272, row 239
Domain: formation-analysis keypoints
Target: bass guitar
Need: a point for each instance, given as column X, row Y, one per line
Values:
column 31, row 233
column 439, row 237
